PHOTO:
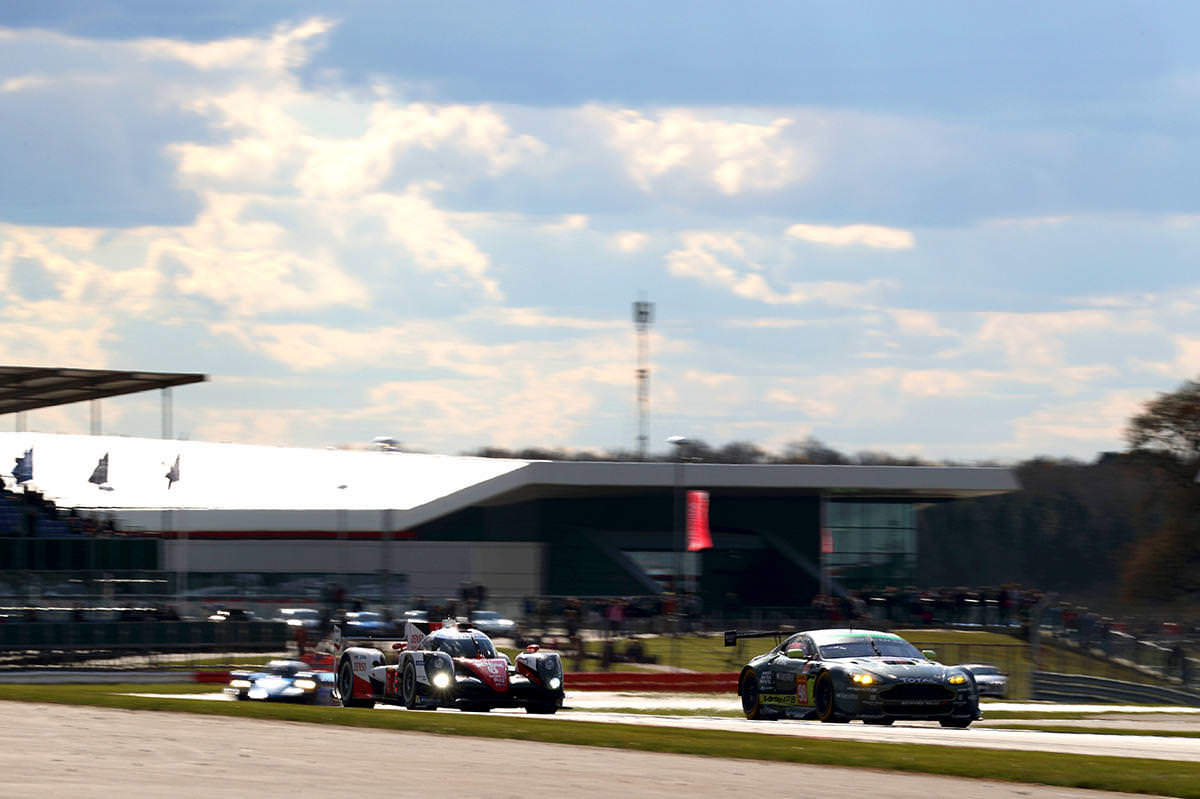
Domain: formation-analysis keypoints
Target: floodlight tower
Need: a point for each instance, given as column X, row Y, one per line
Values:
column 643, row 316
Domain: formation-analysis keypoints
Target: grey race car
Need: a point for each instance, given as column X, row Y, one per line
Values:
column 839, row 675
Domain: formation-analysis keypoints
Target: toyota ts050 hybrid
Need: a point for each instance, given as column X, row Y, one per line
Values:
column 453, row 665
column 839, row 675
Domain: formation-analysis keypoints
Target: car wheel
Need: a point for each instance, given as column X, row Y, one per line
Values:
column 824, row 699
column 958, row 724
column 408, row 686
column 751, row 698
column 345, row 686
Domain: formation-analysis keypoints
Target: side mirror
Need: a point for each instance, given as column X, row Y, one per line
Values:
column 929, row 653
column 797, row 654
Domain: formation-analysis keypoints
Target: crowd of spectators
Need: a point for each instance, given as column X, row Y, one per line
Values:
column 29, row 513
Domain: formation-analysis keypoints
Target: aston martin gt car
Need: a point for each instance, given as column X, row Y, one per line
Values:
column 839, row 675
column 283, row 681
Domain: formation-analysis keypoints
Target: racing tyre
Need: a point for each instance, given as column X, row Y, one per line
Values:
column 823, row 698
column 408, row 686
column 345, row 686
column 958, row 724
column 751, row 698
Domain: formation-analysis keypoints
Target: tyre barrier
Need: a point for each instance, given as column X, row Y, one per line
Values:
column 1048, row 686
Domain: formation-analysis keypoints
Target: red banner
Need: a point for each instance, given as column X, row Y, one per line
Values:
column 826, row 541
column 698, row 536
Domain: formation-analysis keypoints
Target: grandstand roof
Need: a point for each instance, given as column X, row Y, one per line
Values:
column 284, row 486
column 24, row 388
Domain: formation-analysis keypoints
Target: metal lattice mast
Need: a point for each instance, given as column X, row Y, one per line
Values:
column 643, row 316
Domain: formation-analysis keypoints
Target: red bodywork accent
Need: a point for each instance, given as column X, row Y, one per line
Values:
column 528, row 672
column 493, row 671
column 362, row 689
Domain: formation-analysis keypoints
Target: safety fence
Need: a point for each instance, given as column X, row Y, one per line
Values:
column 25, row 643
column 1052, row 687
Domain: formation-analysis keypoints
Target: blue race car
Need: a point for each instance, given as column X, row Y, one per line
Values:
column 283, row 681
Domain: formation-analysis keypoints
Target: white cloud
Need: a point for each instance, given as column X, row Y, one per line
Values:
column 630, row 241
column 566, row 223
column 918, row 323
column 733, row 157
column 721, row 260
column 875, row 236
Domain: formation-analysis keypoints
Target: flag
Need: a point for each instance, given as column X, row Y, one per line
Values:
column 100, row 473
column 173, row 474
column 698, row 536
column 23, row 470
column 826, row 541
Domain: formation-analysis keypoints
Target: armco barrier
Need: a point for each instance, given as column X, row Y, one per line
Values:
column 1054, row 687
column 684, row 682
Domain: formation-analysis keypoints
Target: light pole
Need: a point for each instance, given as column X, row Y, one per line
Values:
column 678, row 534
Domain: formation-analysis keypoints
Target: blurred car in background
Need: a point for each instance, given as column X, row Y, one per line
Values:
column 283, row 681
column 232, row 614
column 491, row 623
column 989, row 679
column 308, row 618
column 365, row 622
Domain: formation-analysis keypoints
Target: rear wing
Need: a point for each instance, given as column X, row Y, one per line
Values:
column 733, row 636
column 414, row 633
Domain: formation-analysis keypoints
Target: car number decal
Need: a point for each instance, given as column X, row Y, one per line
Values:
column 802, row 696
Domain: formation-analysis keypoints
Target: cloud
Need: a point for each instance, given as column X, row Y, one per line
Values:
column 874, row 236
column 732, row 157
column 629, row 241
column 722, row 261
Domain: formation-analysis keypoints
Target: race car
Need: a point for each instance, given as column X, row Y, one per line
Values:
column 840, row 674
column 988, row 679
column 283, row 681
column 444, row 665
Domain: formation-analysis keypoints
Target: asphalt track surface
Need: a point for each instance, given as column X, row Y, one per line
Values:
column 63, row 750
column 926, row 733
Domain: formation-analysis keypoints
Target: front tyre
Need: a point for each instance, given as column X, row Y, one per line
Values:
column 408, row 686
column 751, row 697
column 823, row 698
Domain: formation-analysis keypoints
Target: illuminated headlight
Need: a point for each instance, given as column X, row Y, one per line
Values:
column 292, row 690
column 307, row 685
column 863, row 679
column 553, row 683
column 957, row 679
column 239, row 683
column 441, row 679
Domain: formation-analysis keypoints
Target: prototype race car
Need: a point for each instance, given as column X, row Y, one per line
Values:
column 451, row 666
column 283, row 681
column 839, row 675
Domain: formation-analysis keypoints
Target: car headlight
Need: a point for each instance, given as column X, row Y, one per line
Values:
column 239, row 683
column 863, row 678
column 307, row 685
column 553, row 683
column 441, row 679
column 957, row 679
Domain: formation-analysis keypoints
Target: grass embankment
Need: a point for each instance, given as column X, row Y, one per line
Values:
column 1169, row 778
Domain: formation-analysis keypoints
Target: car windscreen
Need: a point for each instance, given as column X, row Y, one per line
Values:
column 869, row 647
column 476, row 646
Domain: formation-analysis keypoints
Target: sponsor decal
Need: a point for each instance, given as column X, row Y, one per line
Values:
column 802, row 692
column 766, row 681
column 785, row 682
column 779, row 699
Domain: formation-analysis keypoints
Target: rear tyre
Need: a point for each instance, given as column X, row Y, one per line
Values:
column 823, row 698
column 345, row 686
column 958, row 724
column 751, row 697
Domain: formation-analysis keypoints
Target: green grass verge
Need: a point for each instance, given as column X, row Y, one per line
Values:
column 1161, row 777
column 1097, row 730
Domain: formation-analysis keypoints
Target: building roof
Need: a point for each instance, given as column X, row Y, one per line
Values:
column 229, row 486
column 24, row 388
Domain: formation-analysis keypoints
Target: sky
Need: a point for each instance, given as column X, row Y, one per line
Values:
column 950, row 230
